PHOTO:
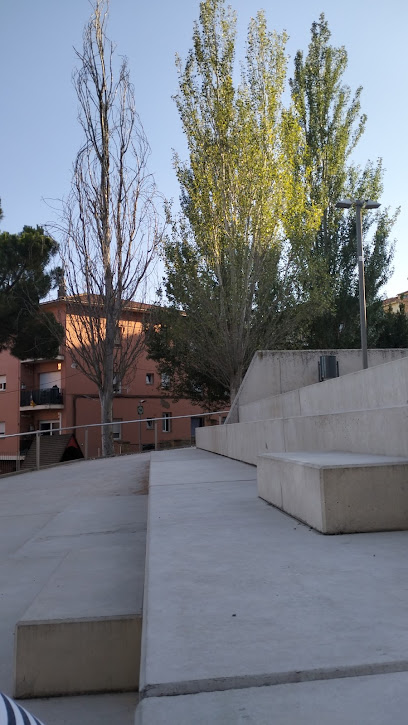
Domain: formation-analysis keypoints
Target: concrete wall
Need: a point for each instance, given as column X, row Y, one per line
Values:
column 378, row 387
column 274, row 372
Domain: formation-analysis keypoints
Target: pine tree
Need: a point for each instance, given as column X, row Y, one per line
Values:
column 25, row 279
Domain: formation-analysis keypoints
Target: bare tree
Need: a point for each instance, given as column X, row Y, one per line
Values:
column 111, row 229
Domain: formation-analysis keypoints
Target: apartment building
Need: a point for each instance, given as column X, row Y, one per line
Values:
column 53, row 395
column 394, row 303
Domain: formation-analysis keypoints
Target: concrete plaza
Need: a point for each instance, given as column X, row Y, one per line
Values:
column 249, row 616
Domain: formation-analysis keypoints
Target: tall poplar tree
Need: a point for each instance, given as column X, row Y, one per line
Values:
column 110, row 227
column 333, row 123
column 234, row 265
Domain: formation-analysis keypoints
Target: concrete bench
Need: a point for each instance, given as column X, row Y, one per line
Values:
column 337, row 492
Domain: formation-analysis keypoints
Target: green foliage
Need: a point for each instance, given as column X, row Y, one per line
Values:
column 232, row 261
column 260, row 257
column 24, row 280
column 392, row 327
column 180, row 362
column 333, row 124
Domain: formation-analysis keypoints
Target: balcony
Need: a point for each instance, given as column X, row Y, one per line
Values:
column 46, row 398
column 31, row 360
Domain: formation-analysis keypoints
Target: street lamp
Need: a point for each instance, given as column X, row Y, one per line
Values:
column 360, row 204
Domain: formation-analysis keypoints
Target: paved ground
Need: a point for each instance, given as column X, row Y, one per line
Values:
column 253, row 617
column 44, row 517
column 250, row 617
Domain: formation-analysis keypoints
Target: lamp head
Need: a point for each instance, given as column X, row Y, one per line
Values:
column 364, row 204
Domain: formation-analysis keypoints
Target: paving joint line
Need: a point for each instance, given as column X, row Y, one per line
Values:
column 242, row 682
column 197, row 483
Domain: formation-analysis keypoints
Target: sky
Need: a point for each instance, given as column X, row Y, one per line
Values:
column 40, row 134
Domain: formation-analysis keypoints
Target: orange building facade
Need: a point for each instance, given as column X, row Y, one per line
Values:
column 52, row 395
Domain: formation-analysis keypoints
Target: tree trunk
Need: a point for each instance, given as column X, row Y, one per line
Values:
column 106, row 395
column 235, row 384
column 106, row 398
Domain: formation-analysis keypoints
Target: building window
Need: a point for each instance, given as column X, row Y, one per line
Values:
column 49, row 427
column 50, row 380
column 119, row 336
column 149, row 378
column 2, row 382
column 117, row 429
column 165, row 381
column 166, row 427
column 150, row 424
column 2, row 428
column 117, row 384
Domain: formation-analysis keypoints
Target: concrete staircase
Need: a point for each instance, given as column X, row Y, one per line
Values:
column 52, row 450
column 363, row 413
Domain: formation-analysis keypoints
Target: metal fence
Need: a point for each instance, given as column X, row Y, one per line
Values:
column 50, row 445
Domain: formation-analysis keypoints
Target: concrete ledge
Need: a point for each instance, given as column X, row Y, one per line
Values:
column 355, row 700
column 337, row 492
column 60, row 649
column 360, row 431
column 78, row 656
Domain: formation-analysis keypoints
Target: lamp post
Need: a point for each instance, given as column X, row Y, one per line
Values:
column 360, row 204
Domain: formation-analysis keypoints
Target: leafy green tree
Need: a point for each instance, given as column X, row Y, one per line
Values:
column 25, row 279
column 332, row 121
column 233, row 263
column 392, row 327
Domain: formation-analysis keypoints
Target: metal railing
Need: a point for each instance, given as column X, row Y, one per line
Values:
column 35, row 449
column 46, row 396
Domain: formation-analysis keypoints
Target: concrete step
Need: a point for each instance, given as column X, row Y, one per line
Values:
column 337, row 492
column 377, row 387
column 376, row 699
column 52, row 450
column 381, row 431
column 82, row 633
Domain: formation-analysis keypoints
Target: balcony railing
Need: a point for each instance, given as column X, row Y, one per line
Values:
column 48, row 396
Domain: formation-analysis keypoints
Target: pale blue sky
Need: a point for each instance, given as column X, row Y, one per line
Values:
column 40, row 134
